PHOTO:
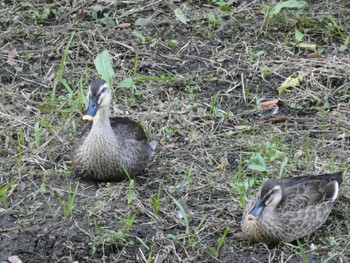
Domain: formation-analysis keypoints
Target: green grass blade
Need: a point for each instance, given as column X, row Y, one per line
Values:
column 59, row 74
column 183, row 212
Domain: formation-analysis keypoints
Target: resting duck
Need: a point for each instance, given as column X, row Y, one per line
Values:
column 112, row 148
column 289, row 208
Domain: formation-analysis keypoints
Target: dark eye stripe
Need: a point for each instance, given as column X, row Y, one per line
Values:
column 101, row 91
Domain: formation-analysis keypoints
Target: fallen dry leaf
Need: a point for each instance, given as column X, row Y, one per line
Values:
column 270, row 103
column 292, row 22
column 314, row 55
column 160, row 258
column 124, row 25
column 345, row 198
column 274, row 120
column 11, row 54
column 305, row 45
column 223, row 163
column 298, row 153
column 171, row 146
column 242, row 127
column 10, row 57
column 292, row 81
column 97, row 8
column 14, row 259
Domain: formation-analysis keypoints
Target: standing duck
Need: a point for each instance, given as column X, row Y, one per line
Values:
column 112, row 148
column 289, row 208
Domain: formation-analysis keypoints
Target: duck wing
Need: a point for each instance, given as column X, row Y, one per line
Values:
column 128, row 129
column 298, row 193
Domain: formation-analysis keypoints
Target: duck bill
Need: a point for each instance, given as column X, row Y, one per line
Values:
column 257, row 210
column 91, row 111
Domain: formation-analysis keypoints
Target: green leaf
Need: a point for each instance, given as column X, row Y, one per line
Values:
column 283, row 165
column 257, row 163
column 5, row 187
column 225, row 9
column 43, row 188
column 180, row 16
column 131, row 192
column 47, row 125
column 131, row 195
column 103, row 64
column 126, row 83
column 172, row 43
column 260, row 53
column 257, row 167
column 143, row 21
column 139, row 36
column 287, row 4
column 156, row 205
column 298, row 35
column 94, row 15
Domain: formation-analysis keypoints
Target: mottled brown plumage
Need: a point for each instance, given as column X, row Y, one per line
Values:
column 289, row 208
column 110, row 146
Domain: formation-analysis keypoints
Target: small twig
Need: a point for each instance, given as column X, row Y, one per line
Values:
column 243, row 88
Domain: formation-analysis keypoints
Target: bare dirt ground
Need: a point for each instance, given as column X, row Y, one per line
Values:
column 198, row 92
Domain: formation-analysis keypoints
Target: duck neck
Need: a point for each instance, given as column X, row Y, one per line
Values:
column 101, row 119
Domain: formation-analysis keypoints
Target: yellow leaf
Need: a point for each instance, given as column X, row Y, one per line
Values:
column 292, row 81
column 305, row 45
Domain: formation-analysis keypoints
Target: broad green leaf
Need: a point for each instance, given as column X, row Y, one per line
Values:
column 257, row 167
column 257, row 163
column 126, row 83
column 180, row 16
column 104, row 67
column 143, row 21
column 298, row 35
column 287, row 4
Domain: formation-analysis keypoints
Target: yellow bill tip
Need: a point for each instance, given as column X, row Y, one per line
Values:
column 251, row 217
column 88, row 118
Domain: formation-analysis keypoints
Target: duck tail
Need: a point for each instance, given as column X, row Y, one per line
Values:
column 337, row 176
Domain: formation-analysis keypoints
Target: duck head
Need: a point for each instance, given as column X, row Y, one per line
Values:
column 270, row 197
column 100, row 98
